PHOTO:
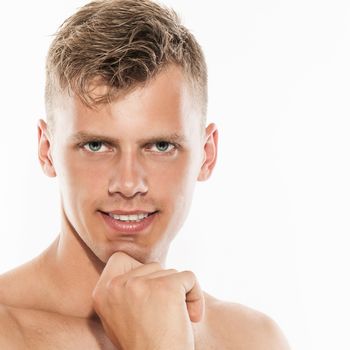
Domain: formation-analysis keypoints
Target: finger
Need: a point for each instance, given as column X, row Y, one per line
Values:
column 194, row 296
column 145, row 273
column 118, row 264
column 143, row 270
column 162, row 273
column 124, row 268
column 196, row 308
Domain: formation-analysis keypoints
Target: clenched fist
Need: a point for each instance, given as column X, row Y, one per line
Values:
column 144, row 307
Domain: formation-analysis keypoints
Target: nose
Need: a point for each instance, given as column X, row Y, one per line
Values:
column 129, row 177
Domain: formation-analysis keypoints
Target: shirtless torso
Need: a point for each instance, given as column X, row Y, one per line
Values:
column 40, row 330
column 32, row 329
column 34, row 316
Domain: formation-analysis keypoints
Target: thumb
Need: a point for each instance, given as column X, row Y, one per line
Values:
column 118, row 264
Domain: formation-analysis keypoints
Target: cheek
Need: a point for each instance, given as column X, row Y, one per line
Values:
column 80, row 180
column 168, row 175
column 173, row 184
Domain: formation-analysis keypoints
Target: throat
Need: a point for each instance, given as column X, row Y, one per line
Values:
column 69, row 272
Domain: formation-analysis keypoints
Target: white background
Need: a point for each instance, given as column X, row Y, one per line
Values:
column 270, row 228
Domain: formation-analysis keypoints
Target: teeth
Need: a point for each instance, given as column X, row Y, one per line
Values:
column 135, row 217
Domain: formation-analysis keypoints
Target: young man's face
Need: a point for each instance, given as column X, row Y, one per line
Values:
column 127, row 170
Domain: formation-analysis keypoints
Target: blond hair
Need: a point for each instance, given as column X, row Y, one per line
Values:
column 121, row 44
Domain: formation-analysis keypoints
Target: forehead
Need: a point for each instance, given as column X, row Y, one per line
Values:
column 165, row 102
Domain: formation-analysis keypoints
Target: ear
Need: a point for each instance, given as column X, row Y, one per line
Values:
column 44, row 149
column 210, row 152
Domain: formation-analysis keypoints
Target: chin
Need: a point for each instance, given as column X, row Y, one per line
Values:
column 142, row 255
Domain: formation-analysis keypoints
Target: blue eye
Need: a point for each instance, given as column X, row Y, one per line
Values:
column 162, row 146
column 93, row 146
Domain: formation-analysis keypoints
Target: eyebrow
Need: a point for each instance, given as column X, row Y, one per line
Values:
column 83, row 136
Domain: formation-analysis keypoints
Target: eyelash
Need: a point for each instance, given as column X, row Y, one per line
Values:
column 172, row 145
column 84, row 145
column 147, row 146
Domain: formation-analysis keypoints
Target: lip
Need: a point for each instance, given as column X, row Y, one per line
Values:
column 131, row 212
column 117, row 228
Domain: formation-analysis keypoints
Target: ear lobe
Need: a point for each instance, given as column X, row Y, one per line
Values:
column 210, row 153
column 44, row 150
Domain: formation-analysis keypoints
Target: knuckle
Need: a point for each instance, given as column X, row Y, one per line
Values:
column 189, row 274
column 135, row 287
column 114, row 286
column 110, row 293
column 163, row 287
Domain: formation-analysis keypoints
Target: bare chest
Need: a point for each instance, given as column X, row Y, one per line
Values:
column 60, row 334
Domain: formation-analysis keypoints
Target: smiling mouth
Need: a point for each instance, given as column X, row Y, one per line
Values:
column 121, row 222
column 131, row 218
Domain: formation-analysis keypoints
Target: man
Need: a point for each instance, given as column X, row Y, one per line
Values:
column 126, row 136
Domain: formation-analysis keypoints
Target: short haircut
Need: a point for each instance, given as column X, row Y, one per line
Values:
column 120, row 44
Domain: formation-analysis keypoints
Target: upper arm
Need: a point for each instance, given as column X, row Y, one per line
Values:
column 10, row 333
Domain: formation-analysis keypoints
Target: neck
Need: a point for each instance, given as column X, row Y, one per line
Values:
column 72, row 271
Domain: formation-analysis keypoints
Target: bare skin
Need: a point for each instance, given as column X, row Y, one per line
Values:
column 99, row 287
column 32, row 318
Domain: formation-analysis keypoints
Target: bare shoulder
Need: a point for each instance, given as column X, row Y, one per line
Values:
column 19, row 286
column 11, row 336
column 236, row 326
column 14, row 287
